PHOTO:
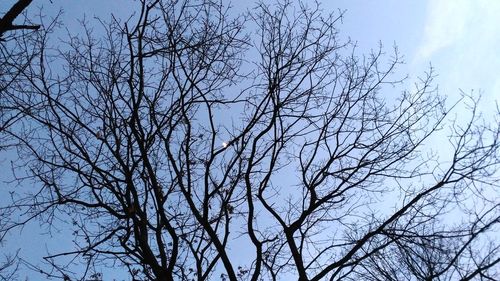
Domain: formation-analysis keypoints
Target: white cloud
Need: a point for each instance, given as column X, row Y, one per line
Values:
column 445, row 24
column 462, row 38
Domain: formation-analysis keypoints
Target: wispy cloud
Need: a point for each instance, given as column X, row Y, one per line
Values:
column 462, row 38
column 445, row 24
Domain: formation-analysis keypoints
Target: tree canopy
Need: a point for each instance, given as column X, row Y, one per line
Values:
column 192, row 143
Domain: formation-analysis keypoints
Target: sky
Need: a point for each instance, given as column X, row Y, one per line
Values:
column 459, row 38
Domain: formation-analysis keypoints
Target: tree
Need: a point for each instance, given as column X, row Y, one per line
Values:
column 11, row 62
column 7, row 21
column 184, row 145
column 9, row 54
column 8, row 268
column 18, row 47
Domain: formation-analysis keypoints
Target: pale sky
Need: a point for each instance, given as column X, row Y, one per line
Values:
column 460, row 38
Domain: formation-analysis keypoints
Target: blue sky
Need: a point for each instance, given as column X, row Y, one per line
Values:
column 460, row 38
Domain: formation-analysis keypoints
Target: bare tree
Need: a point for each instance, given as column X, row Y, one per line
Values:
column 191, row 144
column 19, row 45
column 10, row 53
column 11, row 64
column 9, row 267
column 7, row 21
